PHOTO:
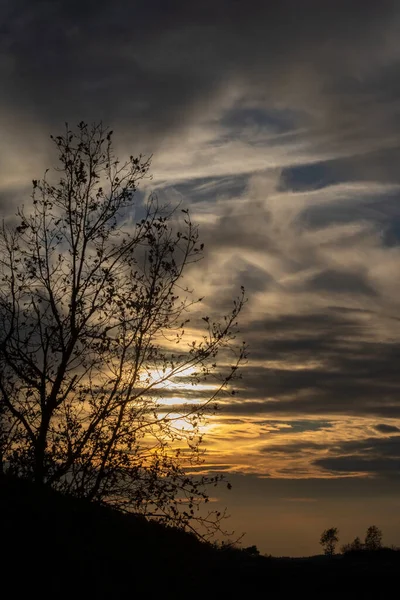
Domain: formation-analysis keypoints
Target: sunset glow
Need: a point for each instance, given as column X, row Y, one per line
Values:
column 277, row 125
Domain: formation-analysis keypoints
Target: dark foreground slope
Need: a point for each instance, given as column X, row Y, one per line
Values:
column 54, row 546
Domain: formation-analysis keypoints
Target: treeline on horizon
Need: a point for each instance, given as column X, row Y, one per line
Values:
column 372, row 542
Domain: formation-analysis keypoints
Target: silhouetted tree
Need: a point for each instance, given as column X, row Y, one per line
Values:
column 373, row 538
column 355, row 546
column 93, row 312
column 328, row 540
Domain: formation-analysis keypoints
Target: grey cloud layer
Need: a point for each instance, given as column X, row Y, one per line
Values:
column 156, row 65
column 372, row 455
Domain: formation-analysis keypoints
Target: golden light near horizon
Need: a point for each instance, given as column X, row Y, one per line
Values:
column 172, row 384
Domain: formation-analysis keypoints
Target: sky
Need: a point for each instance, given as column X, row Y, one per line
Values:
column 277, row 124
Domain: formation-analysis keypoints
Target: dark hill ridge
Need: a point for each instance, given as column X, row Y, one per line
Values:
column 44, row 529
column 58, row 546
column 51, row 537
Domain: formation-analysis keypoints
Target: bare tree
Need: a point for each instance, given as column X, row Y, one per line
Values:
column 328, row 540
column 92, row 332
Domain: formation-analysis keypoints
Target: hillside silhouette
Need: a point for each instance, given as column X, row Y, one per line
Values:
column 62, row 545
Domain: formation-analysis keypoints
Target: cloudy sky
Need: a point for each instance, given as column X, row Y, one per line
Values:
column 277, row 123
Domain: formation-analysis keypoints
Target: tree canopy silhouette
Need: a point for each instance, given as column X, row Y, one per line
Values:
column 373, row 538
column 93, row 311
column 328, row 540
column 355, row 546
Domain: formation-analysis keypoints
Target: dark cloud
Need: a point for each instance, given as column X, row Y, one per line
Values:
column 371, row 455
column 154, row 65
column 314, row 405
column 336, row 281
column 353, row 464
column 305, row 177
column 384, row 428
column 389, row 447
column 376, row 209
column 297, row 426
column 289, row 449
column 367, row 448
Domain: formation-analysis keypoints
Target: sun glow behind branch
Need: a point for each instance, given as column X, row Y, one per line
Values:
column 180, row 383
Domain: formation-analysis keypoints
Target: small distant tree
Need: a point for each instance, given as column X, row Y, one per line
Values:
column 355, row 546
column 329, row 539
column 373, row 538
